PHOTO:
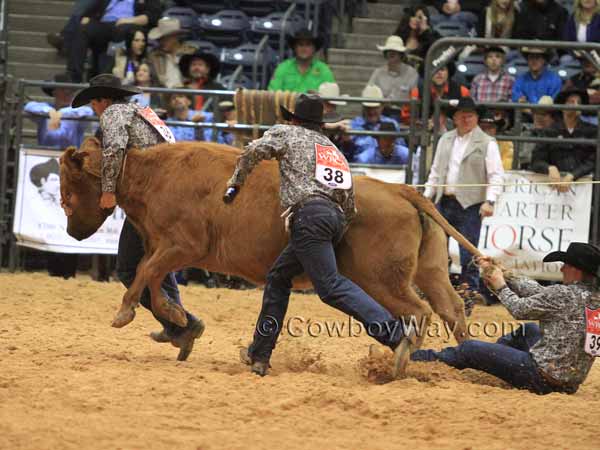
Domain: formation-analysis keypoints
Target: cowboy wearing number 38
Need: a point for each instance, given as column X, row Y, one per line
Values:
column 317, row 198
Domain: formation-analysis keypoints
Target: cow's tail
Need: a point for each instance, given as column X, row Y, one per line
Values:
column 424, row 205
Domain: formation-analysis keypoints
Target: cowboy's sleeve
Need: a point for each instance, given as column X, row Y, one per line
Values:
column 115, row 135
column 271, row 145
column 549, row 302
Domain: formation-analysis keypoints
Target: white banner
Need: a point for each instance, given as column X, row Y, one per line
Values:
column 40, row 222
column 532, row 220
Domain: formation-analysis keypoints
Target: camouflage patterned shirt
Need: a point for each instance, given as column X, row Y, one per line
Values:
column 294, row 148
column 122, row 128
column 560, row 310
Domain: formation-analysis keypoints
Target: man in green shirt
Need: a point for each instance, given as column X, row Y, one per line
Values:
column 303, row 72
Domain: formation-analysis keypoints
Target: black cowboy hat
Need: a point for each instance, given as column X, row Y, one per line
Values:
column 42, row 170
column 465, row 104
column 562, row 96
column 494, row 48
column 583, row 256
column 488, row 116
column 306, row 35
column 103, row 86
column 309, row 108
column 58, row 78
column 208, row 58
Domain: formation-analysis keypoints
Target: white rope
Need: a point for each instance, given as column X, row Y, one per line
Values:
column 541, row 183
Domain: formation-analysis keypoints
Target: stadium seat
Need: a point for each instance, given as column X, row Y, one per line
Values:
column 113, row 47
column 245, row 55
column 227, row 28
column 447, row 28
column 517, row 66
column 272, row 24
column 188, row 18
column 211, row 7
column 470, row 68
column 257, row 8
column 241, row 81
column 205, row 46
column 567, row 70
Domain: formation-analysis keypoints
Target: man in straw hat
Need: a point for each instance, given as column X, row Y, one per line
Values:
column 396, row 78
column 464, row 156
column 557, row 354
column 303, row 72
column 543, row 123
column 317, row 196
column 530, row 86
column 103, row 21
column 122, row 126
column 166, row 57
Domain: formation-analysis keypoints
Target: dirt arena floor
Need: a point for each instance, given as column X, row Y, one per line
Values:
column 70, row 381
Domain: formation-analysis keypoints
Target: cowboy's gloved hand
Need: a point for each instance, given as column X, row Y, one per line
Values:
column 230, row 194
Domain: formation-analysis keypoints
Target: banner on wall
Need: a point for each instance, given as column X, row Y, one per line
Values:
column 531, row 220
column 40, row 222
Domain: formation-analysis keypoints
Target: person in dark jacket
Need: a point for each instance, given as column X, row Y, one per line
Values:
column 540, row 19
column 463, row 11
column 416, row 32
column 583, row 24
column 573, row 160
column 104, row 21
column 200, row 70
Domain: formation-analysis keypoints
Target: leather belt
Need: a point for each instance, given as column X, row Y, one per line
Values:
column 315, row 198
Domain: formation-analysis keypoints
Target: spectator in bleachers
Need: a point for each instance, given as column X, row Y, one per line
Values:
column 490, row 124
column 540, row 19
column 543, row 120
column 464, row 11
column 442, row 87
column 179, row 109
column 539, row 80
column 372, row 119
column 227, row 109
column 586, row 80
column 466, row 155
column 335, row 130
column 573, row 160
column 305, row 71
column 494, row 84
column 386, row 151
column 583, row 24
column 200, row 70
column 416, row 32
column 497, row 20
column 126, row 61
column 104, row 21
column 395, row 79
column 166, row 57
column 145, row 77
column 55, row 131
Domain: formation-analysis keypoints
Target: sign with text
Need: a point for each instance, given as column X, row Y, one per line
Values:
column 531, row 220
column 39, row 220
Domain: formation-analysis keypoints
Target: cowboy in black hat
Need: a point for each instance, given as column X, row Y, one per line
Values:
column 52, row 131
column 200, row 70
column 539, row 80
column 304, row 72
column 557, row 354
column 317, row 197
column 124, row 125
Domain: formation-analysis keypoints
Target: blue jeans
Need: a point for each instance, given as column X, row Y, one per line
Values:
column 468, row 223
column 315, row 230
column 508, row 359
column 131, row 251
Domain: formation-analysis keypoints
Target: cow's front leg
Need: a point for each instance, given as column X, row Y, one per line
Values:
column 131, row 298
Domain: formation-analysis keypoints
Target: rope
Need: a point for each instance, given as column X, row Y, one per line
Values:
column 542, row 183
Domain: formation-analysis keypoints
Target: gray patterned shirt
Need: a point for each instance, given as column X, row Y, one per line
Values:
column 560, row 310
column 122, row 128
column 294, row 147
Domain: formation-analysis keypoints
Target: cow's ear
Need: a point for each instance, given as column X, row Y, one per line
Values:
column 71, row 159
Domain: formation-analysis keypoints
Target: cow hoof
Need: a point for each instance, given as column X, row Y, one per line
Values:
column 123, row 317
column 401, row 357
column 174, row 313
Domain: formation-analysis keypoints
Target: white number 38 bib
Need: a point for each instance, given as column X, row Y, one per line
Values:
column 332, row 169
column 592, row 331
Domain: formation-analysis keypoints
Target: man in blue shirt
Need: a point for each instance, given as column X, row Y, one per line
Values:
column 179, row 109
column 386, row 152
column 55, row 131
column 539, row 81
column 366, row 148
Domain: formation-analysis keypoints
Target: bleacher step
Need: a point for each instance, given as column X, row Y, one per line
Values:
column 351, row 73
column 27, row 38
column 363, row 41
column 25, row 22
column 342, row 56
column 34, row 72
column 374, row 26
column 386, row 11
column 40, row 8
column 34, row 55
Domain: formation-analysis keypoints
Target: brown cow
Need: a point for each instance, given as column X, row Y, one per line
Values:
column 172, row 194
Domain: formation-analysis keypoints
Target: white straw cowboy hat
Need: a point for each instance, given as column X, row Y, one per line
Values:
column 372, row 91
column 394, row 43
column 167, row 26
column 328, row 89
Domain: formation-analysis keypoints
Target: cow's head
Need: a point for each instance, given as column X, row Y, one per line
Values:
column 80, row 189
